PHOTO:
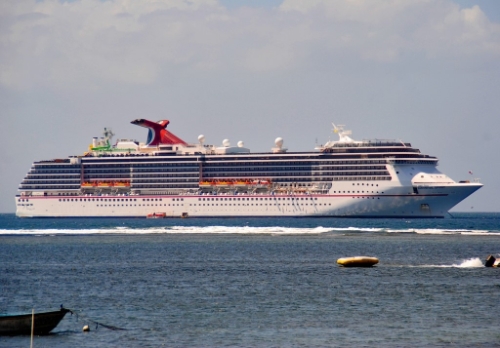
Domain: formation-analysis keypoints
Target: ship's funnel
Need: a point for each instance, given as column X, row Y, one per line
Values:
column 158, row 133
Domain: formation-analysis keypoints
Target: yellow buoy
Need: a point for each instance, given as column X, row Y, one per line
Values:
column 357, row 261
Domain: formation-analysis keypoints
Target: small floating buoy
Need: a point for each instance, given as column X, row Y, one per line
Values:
column 357, row 261
column 86, row 328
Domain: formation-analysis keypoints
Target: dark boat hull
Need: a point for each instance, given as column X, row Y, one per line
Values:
column 21, row 324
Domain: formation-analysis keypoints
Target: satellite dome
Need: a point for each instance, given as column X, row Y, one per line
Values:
column 240, row 143
column 201, row 138
column 226, row 142
column 279, row 142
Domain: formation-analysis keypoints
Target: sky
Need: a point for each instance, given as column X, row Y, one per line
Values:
column 422, row 71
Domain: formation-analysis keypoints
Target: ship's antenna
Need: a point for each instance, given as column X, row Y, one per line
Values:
column 108, row 135
column 343, row 134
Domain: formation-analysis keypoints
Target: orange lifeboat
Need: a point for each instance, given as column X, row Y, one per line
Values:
column 121, row 183
column 223, row 183
column 88, row 184
column 103, row 184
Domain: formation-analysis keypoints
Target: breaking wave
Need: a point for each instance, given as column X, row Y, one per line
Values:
column 275, row 230
column 172, row 230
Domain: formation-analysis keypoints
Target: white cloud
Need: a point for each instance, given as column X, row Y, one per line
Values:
column 70, row 43
column 383, row 30
column 83, row 44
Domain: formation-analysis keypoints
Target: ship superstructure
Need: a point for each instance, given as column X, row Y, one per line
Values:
column 166, row 176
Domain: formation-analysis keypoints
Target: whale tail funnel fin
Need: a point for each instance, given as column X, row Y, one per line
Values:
column 158, row 133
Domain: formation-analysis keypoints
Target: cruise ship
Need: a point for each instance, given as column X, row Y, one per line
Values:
column 168, row 177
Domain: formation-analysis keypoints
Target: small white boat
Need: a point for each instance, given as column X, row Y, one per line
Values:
column 491, row 261
column 156, row 215
column 357, row 261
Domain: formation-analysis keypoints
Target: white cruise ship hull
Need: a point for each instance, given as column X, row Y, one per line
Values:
column 429, row 202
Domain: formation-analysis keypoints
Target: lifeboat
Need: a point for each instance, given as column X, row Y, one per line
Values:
column 103, row 184
column 121, row 183
column 261, row 183
column 206, row 184
column 156, row 215
column 88, row 184
column 223, row 183
column 357, row 261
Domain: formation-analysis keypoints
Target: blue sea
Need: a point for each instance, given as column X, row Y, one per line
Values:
column 250, row 282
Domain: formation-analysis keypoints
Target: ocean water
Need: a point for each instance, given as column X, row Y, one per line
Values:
column 255, row 282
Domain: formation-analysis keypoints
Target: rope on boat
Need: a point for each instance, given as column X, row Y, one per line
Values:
column 97, row 324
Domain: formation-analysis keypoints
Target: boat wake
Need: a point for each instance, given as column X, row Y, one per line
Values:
column 474, row 262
